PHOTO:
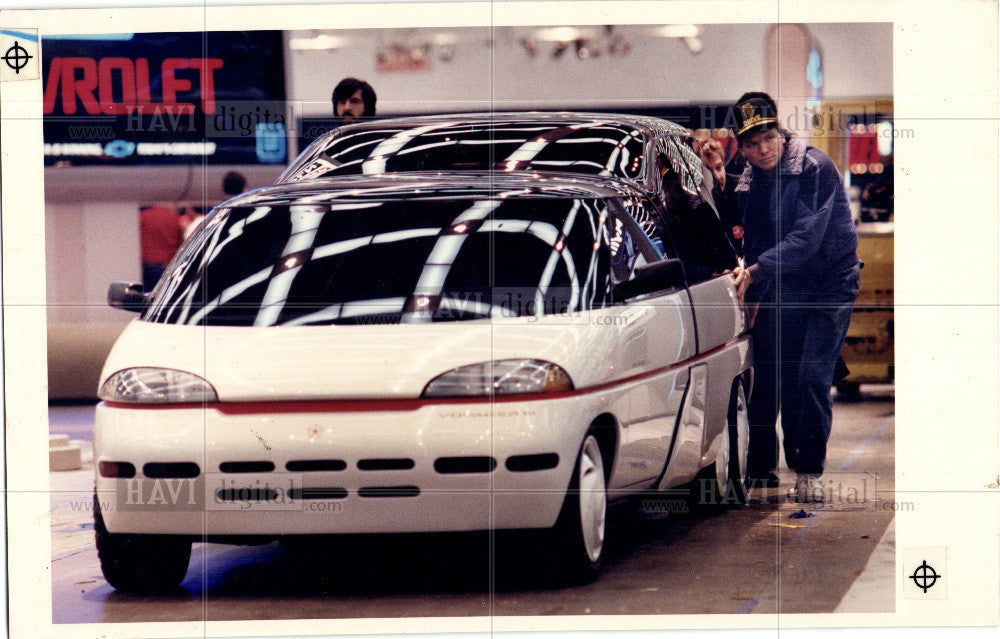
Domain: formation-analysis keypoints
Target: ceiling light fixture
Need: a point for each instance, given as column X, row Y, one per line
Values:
column 558, row 34
column 319, row 42
column 680, row 31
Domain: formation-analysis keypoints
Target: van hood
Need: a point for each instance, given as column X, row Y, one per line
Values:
column 359, row 362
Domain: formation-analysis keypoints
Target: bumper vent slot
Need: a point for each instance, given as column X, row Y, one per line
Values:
column 454, row 465
column 121, row 470
column 315, row 465
column 528, row 463
column 171, row 470
column 389, row 491
column 318, row 493
column 385, row 464
column 247, row 467
column 247, row 494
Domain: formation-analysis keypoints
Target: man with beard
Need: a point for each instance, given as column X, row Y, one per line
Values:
column 353, row 99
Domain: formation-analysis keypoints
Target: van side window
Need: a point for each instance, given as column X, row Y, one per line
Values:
column 694, row 234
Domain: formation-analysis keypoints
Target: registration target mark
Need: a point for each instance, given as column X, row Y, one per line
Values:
column 19, row 55
column 925, row 571
column 925, row 576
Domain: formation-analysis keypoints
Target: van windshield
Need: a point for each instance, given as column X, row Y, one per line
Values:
column 391, row 261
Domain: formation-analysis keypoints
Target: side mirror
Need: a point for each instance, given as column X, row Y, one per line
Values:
column 127, row 296
column 651, row 278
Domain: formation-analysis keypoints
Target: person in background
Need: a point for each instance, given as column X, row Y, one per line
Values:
column 190, row 218
column 353, row 99
column 233, row 183
column 713, row 155
column 161, row 232
column 694, row 228
column 800, row 247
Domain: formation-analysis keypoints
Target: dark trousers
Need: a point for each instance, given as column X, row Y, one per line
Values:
column 797, row 337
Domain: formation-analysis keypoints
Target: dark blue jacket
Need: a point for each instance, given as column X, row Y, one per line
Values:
column 816, row 233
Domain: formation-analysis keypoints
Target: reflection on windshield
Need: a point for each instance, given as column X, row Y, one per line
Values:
column 389, row 262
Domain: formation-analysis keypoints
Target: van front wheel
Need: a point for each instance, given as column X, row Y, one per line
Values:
column 140, row 563
column 577, row 541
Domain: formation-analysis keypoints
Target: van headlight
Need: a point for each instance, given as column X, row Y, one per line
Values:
column 500, row 377
column 148, row 385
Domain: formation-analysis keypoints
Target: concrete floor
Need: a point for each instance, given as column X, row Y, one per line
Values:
column 753, row 559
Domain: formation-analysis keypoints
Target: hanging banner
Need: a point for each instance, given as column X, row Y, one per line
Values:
column 164, row 98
